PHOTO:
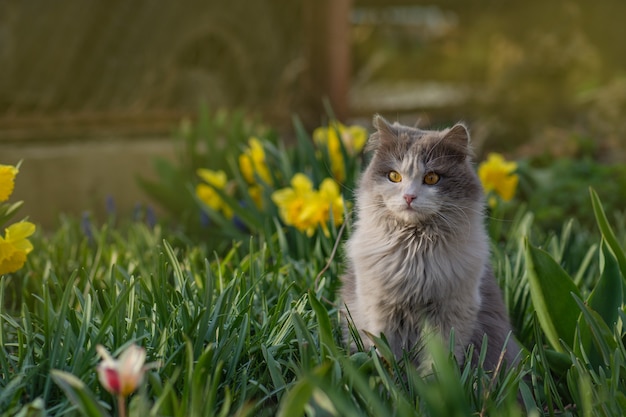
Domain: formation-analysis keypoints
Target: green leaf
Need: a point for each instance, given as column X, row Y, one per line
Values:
column 601, row 335
column 606, row 298
column 306, row 151
column 382, row 347
column 274, row 368
column 528, row 399
column 8, row 210
column 359, row 383
column 550, row 289
column 297, row 398
column 78, row 394
column 558, row 362
column 36, row 408
column 443, row 393
column 582, row 268
column 325, row 329
column 582, row 390
column 607, row 231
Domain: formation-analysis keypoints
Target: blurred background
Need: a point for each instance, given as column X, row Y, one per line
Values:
column 91, row 92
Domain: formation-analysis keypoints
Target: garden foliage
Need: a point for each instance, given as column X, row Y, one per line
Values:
column 246, row 322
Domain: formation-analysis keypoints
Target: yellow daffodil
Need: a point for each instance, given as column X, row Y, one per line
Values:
column 330, row 200
column 292, row 201
column 7, row 181
column 252, row 163
column 332, row 137
column 498, row 176
column 307, row 209
column 208, row 195
column 14, row 246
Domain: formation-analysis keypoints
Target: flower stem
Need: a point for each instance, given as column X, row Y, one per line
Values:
column 121, row 405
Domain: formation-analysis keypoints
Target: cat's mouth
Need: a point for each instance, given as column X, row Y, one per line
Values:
column 413, row 207
column 411, row 214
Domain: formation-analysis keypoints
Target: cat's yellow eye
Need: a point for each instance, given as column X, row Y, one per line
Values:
column 394, row 176
column 431, row 178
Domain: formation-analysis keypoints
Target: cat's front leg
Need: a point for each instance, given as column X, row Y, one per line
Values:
column 461, row 329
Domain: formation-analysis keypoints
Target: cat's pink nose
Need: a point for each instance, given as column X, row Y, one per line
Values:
column 409, row 198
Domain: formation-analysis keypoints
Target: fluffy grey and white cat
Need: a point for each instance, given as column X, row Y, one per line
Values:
column 418, row 257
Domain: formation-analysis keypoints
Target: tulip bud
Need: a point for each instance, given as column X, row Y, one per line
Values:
column 121, row 377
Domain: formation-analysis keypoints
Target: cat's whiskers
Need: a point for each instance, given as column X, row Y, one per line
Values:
column 375, row 205
column 466, row 212
column 452, row 229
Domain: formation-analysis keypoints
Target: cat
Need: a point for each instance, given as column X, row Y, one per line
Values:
column 418, row 256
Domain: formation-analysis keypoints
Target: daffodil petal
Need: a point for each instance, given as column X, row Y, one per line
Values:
column 7, row 181
column 18, row 231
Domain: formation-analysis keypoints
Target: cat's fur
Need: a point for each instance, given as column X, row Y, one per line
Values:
column 423, row 263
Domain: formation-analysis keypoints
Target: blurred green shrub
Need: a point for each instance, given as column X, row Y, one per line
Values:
column 234, row 180
column 558, row 190
column 200, row 143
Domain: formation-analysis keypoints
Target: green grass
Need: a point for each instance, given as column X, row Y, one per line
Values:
column 255, row 330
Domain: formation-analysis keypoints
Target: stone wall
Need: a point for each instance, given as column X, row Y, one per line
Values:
column 79, row 176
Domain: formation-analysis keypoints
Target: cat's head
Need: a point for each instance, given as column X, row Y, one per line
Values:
column 421, row 176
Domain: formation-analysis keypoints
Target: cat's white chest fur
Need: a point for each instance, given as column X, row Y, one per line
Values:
column 409, row 277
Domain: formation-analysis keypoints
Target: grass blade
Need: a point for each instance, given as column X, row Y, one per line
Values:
column 297, row 398
column 78, row 394
column 325, row 329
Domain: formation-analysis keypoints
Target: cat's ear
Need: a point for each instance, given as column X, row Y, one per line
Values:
column 385, row 133
column 458, row 134
column 458, row 139
column 380, row 123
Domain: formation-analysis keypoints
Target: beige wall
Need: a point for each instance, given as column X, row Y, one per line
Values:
column 75, row 177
